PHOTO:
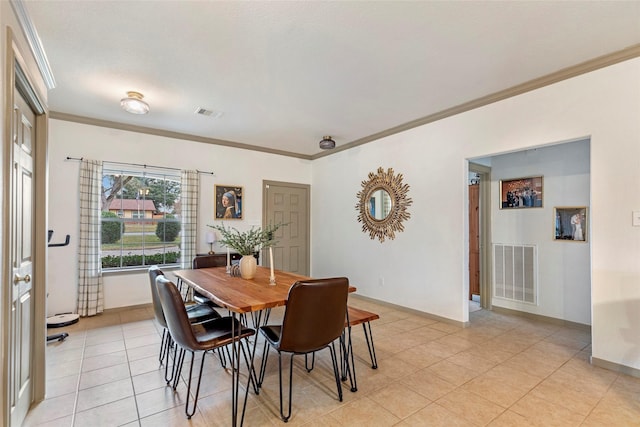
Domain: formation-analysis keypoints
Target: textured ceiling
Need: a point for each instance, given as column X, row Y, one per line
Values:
column 283, row 74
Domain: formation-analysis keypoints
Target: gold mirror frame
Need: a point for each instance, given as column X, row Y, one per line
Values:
column 392, row 184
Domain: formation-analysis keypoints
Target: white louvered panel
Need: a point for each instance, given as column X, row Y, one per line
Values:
column 515, row 272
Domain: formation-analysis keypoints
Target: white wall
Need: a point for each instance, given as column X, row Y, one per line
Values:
column 564, row 268
column 231, row 166
column 425, row 268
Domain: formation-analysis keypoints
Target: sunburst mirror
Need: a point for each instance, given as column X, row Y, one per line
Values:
column 382, row 204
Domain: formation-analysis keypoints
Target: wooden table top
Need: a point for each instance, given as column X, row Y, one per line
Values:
column 238, row 294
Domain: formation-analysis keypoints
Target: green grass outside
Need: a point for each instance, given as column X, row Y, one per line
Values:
column 149, row 240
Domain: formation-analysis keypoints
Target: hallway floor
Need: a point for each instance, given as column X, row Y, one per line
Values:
column 502, row 370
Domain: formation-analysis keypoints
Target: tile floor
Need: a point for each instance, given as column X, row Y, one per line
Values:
column 500, row 371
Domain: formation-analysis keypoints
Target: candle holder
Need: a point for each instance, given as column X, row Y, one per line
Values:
column 272, row 280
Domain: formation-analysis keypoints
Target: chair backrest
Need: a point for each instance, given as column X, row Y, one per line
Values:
column 314, row 315
column 206, row 261
column 154, row 272
column 176, row 314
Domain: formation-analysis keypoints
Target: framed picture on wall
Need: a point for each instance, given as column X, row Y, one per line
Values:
column 570, row 223
column 521, row 193
column 228, row 200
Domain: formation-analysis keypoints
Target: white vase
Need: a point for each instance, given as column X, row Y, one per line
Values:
column 248, row 266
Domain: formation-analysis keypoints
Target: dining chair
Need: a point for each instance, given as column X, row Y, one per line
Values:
column 207, row 261
column 195, row 312
column 313, row 320
column 205, row 336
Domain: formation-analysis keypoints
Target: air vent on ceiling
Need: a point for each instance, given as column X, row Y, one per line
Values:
column 209, row 113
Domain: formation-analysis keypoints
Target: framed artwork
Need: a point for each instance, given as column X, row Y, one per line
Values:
column 521, row 193
column 228, row 200
column 570, row 223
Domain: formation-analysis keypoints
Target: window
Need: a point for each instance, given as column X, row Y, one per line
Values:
column 140, row 218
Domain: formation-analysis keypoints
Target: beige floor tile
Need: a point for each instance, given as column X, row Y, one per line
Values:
column 510, row 419
column 476, row 409
column 103, row 394
column 60, row 386
column 543, row 412
column 104, row 348
column 364, row 412
column 502, row 370
column 103, row 361
column 472, row 362
column 452, row 373
column 434, row 415
column 103, row 376
column 399, row 399
column 160, row 399
column 111, row 414
column 494, row 390
column 58, row 422
column 427, row 384
column 51, row 409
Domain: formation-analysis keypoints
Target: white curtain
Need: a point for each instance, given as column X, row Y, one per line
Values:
column 189, row 198
column 90, row 284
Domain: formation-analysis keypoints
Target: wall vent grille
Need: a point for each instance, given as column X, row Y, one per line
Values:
column 515, row 274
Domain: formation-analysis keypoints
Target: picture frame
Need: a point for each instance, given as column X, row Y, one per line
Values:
column 570, row 223
column 228, row 202
column 521, row 193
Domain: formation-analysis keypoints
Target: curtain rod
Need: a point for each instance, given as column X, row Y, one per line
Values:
column 144, row 166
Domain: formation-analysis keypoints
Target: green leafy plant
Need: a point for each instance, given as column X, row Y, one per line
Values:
column 247, row 242
column 111, row 229
column 168, row 230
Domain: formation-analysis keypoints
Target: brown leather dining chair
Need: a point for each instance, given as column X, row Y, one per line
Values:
column 205, row 336
column 196, row 313
column 314, row 319
column 207, row 261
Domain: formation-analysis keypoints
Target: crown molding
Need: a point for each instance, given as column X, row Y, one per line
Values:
column 31, row 34
column 549, row 79
column 169, row 134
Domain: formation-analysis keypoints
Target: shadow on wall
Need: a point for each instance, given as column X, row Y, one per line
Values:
column 627, row 315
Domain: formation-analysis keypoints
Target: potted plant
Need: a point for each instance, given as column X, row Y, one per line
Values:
column 246, row 243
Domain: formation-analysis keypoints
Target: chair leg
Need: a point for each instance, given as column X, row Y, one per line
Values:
column 334, row 361
column 372, row 349
column 252, row 372
column 284, row 417
column 195, row 398
column 313, row 361
column 177, row 368
column 169, row 377
column 165, row 346
column 221, row 356
column 263, row 364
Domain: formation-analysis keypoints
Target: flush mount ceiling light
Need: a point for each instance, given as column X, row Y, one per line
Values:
column 134, row 104
column 327, row 143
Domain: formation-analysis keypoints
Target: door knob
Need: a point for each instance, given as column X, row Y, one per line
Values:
column 25, row 279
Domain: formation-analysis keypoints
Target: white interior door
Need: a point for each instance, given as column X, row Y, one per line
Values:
column 22, row 226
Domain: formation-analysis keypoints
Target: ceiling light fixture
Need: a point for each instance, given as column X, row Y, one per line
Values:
column 327, row 143
column 134, row 104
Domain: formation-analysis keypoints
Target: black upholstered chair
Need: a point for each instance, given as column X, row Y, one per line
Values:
column 195, row 312
column 205, row 336
column 314, row 319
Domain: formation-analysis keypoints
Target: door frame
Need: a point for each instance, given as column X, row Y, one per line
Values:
column 485, row 232
column 30, row 84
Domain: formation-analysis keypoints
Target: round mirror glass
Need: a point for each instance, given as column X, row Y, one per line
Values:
column 379, row 204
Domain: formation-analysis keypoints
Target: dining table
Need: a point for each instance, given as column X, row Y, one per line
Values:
column 242, row 297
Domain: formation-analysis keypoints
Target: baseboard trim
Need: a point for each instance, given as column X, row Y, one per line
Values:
column 553, row 320
column 411, row 311
column 127, row 308
column 616, row 367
